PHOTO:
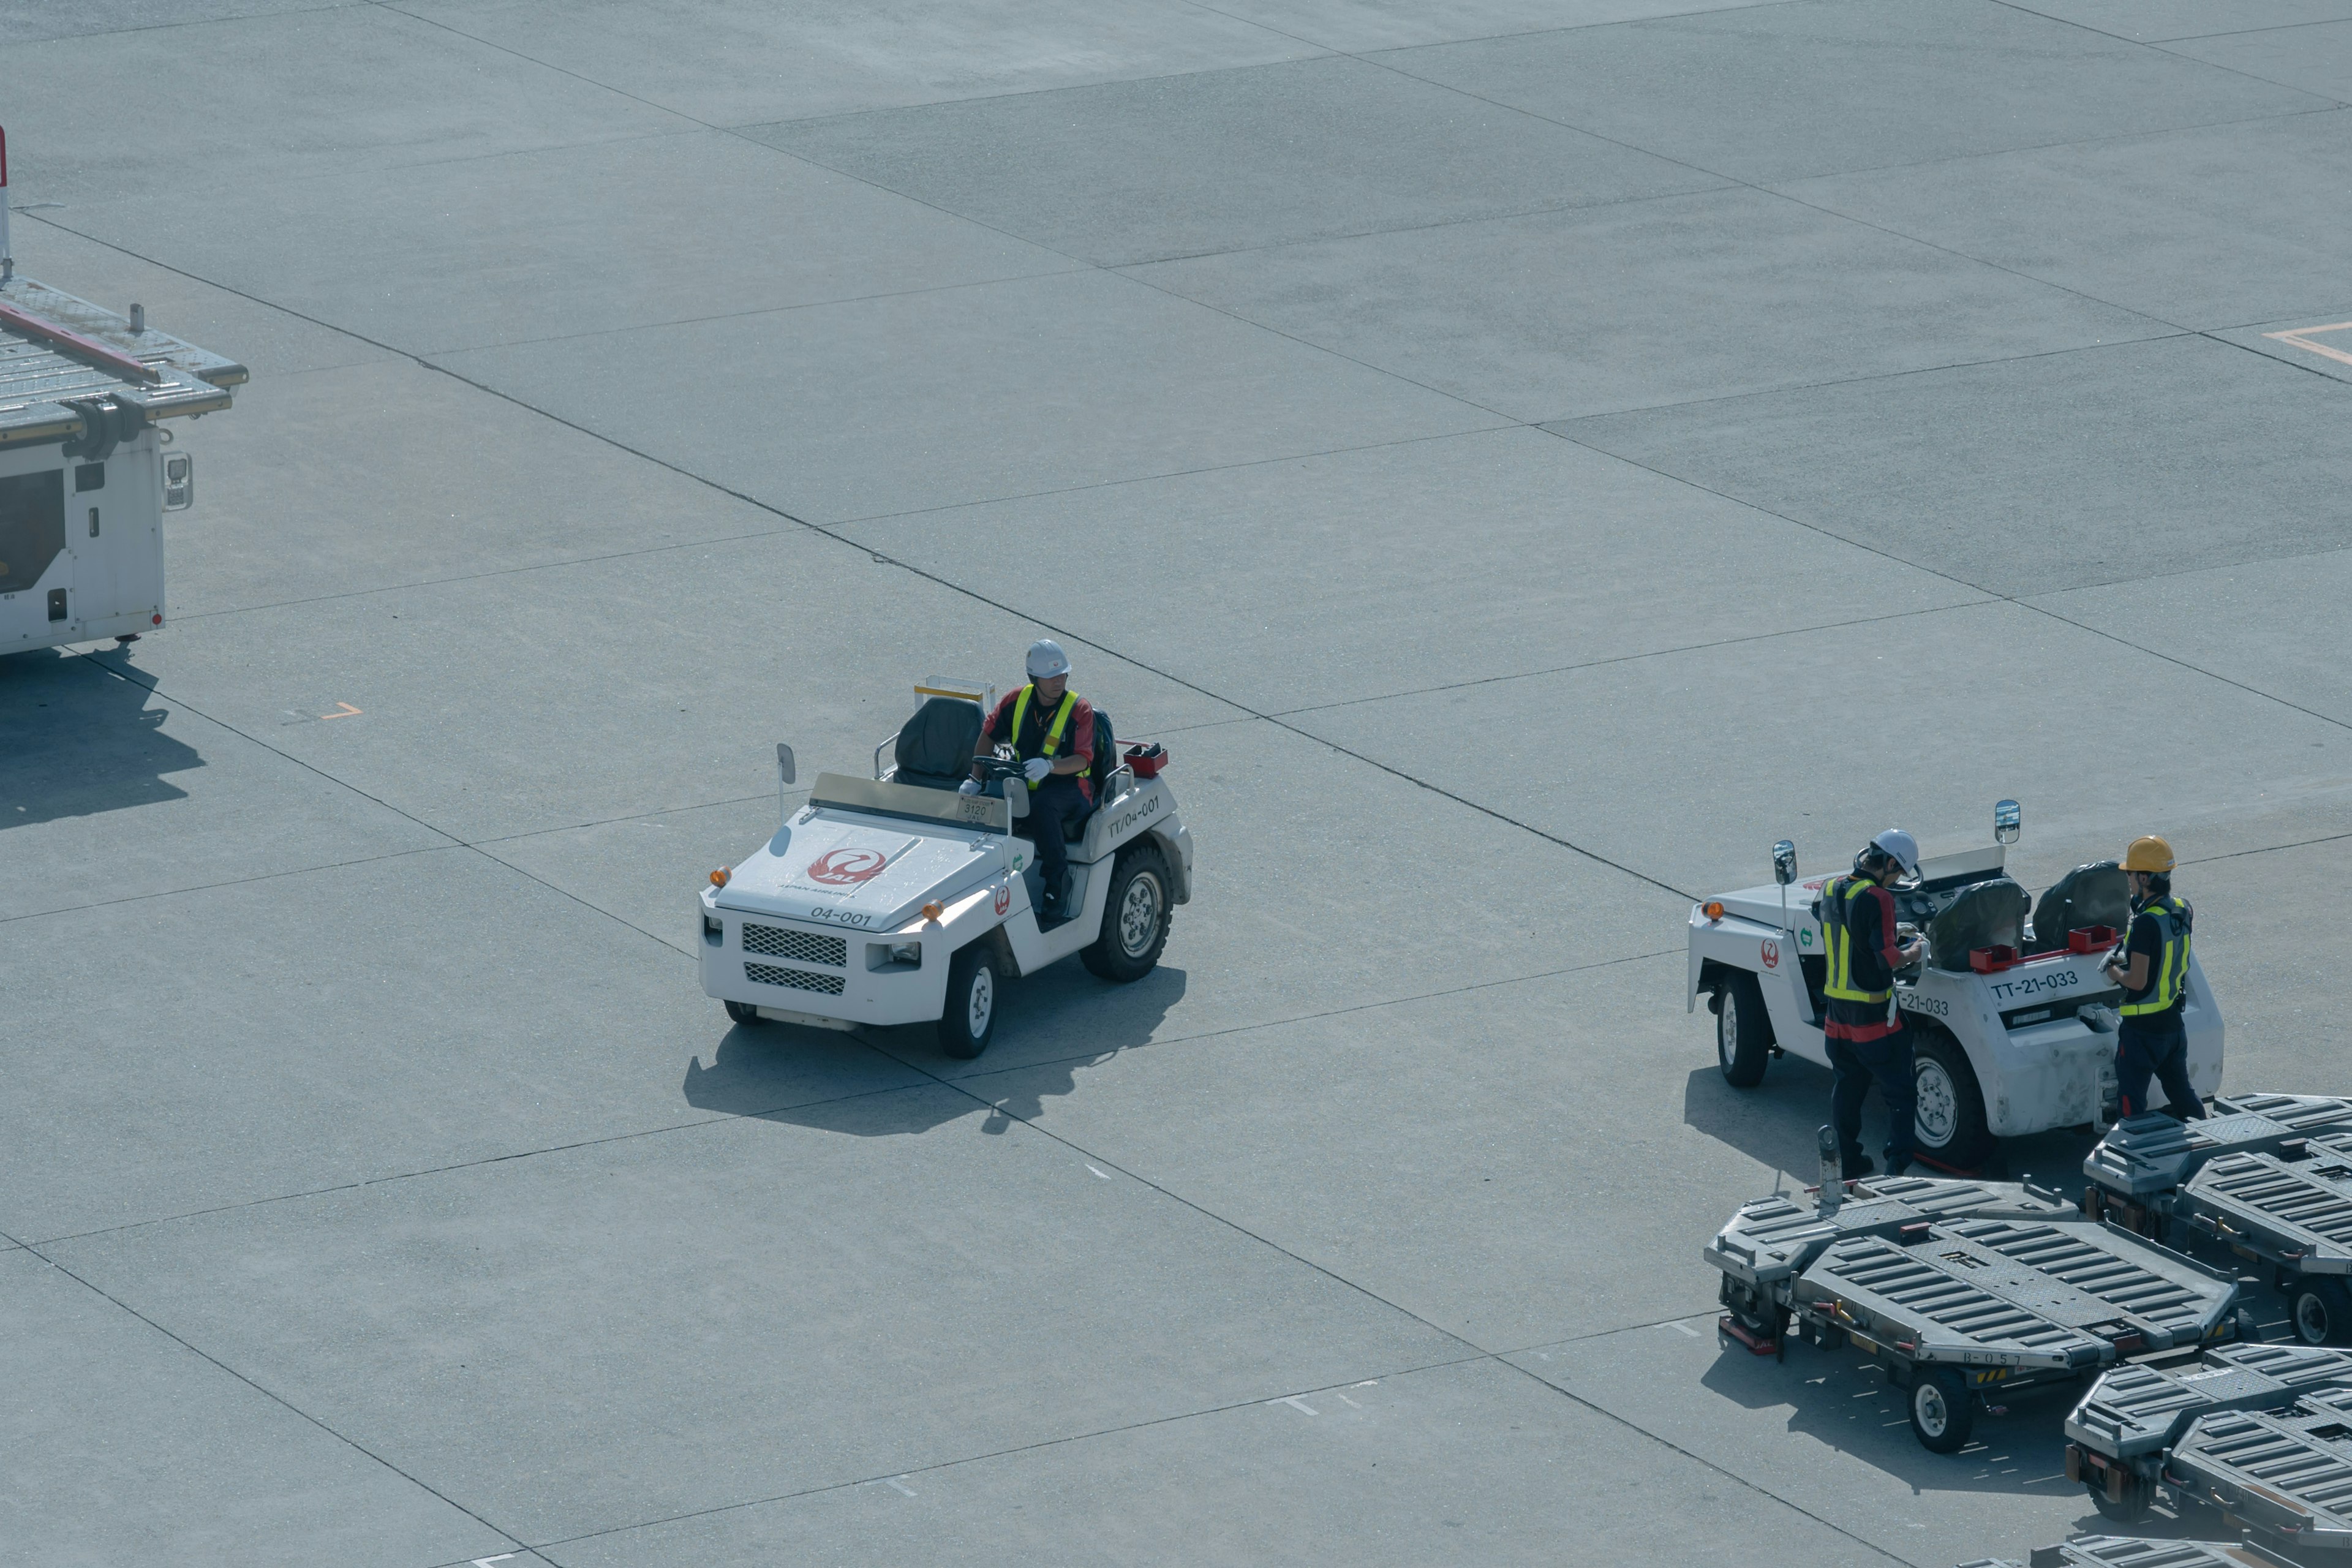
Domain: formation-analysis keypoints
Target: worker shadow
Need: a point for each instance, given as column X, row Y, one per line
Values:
column 891, row 1082
column 1843, row 1402
column 76, row 742
column 1776, row 1123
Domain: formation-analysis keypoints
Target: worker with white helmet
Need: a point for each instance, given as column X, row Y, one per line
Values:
column 1866, row 1037
column 2153, row 970
column 1051, row 730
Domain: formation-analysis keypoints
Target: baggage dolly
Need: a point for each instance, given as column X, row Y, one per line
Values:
column 2267, row 1176
column 2138, row 1552
column 2263, row 1433
column 1960, row 1290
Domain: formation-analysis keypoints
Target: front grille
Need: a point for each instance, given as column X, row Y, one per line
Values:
column 803, row 946
column 798, row 979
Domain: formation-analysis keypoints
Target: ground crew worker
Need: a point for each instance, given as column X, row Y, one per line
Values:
column 1866, row 1035
column 2153, row 970
column 1052, row 731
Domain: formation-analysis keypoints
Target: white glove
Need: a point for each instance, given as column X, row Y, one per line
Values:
column 969, row 787
column 1036, row 768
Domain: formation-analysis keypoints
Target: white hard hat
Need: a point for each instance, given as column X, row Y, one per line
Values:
column 1047, row 660
column 1900, row 848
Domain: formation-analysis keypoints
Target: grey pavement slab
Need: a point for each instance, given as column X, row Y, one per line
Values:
column 303, row 499
column 1514, row 1163
column 2051, row 711
column 1683, row 298
column 109, row 793
column 2316, row 57
column 2154, row 21
column 512, row 703
column 1222, row 160
column 1409, row 567
column 2262, row 623
column 606, row 1336
column 1828, row 1437
column 1780, row 92
column 734, row 62
column 876, row 406
column 2035, row 475
column 646, row 868
column 29, row 21
column 2318, row 341
column 1456, row 1464
column 325, row 1028
column 351, row 90
column 1362, row 25
column 123, row 1447
column 2259, row 914
column 2210, row 228
column 270, row 341
column 564, row 242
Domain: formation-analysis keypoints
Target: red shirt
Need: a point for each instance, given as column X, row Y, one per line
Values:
column 1077, row 737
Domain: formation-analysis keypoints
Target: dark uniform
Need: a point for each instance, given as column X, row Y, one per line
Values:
column 1867, row 1039
column 2152, row 1043
column 1057, row 799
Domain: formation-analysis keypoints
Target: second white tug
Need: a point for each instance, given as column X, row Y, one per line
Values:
column 915, row 896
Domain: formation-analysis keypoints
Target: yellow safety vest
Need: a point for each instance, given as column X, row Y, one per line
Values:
column 2171, row 976
column 1838, row 940
column 1053, row 731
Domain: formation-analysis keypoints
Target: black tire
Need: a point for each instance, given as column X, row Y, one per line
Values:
column 744, row 1012
column 1942, row 1409
column 975, row 990
column 2320, row 1310
column 2139, row 1496
column 1743, row 1031
column 1948, row 1119
column 1136, row 917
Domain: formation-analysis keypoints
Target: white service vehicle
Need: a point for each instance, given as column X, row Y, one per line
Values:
column 2012, row 1019
column 87, row 470
column 896, row 899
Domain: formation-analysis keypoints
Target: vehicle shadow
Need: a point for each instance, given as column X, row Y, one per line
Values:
column 1055, row 1024
column 75, row 742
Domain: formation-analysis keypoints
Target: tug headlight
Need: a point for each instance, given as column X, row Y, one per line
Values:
column 907, row 953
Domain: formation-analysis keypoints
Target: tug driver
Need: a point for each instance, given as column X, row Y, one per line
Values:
column 1866, row 1035
column 1052, row 731
column 2153, row 970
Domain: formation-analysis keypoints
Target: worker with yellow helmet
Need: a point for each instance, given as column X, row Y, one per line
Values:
column 2152, row 967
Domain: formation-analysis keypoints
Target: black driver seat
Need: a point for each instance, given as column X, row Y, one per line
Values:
column 935, row 746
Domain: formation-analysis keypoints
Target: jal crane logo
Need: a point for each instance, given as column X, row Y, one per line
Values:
column 1771, row 954
column 847, row 867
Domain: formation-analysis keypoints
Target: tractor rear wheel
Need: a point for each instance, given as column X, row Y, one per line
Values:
column 1948, row 1116
column 1743, row 1031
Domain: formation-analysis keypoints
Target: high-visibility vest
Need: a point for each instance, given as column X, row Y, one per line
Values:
column 2171, row 976
column 1053, row 731
column 1837, row 939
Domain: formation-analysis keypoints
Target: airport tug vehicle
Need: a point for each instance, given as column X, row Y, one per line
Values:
column 2268, row 1177
column 2139, row 1552
column 2260, row 1435
column 897, row 899
column 1964, row 1292
column 87, row 465
column 2012, row 1019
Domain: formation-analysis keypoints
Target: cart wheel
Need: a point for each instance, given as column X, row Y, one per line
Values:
column 1135, row 917
column 743, row 1011
column 2322, row 1312
column 2139, row 1494
column 973, row 984
column 1948, row 1119
column 1942, row 1410
column 1743, row 1031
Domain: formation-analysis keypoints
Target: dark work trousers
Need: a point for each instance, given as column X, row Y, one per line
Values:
column 1053, row 805
column 2157, row 1049
column 1889, row 1062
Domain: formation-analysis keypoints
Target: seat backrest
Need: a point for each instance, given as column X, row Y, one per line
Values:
column 2098, row 894
column 1986, row 914
column 1105, row 756
column 935, row 746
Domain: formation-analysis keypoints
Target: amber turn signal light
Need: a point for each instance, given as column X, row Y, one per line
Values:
column 1713, row 912
column 934, row 910
column 719, row 878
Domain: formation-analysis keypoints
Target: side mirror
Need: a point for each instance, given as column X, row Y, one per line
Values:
column 2008, row 821
column 1784, row 862
column 785, row 772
